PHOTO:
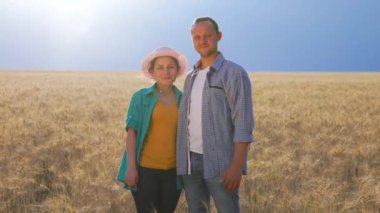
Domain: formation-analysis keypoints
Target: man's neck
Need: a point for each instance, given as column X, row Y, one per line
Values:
column 207, row 61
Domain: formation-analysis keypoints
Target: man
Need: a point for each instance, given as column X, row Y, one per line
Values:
column 215, row 125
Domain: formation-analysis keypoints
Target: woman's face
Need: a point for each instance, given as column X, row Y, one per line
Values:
column 165, row 70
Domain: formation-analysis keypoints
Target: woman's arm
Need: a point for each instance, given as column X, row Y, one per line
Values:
column 131, row 175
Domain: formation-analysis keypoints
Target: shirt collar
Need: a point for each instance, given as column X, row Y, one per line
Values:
column 215, row 65
column 150, row 91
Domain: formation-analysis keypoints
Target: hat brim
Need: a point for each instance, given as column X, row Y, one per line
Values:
column 182, row 61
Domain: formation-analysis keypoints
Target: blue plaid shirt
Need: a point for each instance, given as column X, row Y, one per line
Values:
column 227, row 117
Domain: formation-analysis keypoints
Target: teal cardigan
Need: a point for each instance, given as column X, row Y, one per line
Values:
column 138, row 117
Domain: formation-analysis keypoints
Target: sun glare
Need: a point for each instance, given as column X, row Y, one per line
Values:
column 71, row 19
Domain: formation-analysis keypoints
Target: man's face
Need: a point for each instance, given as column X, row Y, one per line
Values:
column 205, row 39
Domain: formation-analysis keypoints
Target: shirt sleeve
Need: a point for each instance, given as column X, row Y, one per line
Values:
column 240, row 97
column 133, row 116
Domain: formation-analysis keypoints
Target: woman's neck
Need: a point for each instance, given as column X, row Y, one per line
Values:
column 163, row 89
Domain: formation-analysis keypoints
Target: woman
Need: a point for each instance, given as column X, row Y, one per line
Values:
column 148, row 164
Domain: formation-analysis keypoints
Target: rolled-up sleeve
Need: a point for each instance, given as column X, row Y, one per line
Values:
column 133, row 116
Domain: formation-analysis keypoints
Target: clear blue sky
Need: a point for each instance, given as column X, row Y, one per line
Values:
column 261, row 35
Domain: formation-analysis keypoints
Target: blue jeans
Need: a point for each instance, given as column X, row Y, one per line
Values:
column 199, row 189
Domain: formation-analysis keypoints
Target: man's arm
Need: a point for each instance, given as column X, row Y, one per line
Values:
column 240, row 99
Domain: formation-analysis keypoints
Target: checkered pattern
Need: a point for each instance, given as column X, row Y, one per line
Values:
column 227, row 117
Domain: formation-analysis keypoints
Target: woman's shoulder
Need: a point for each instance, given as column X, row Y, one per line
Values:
column 143, row 91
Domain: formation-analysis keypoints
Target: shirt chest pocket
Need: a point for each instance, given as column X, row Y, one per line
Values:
column 218, row 102
column 217, row 92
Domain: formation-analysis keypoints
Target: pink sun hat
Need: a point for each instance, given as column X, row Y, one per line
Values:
column 164, row 51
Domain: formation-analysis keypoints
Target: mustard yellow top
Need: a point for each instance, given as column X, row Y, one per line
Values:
column 159, row 149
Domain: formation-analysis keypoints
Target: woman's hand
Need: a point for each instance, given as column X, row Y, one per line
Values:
column 131, row 177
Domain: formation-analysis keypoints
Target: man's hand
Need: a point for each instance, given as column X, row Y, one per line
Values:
column 232, row 178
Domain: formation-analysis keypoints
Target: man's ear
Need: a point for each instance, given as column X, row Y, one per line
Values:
column 219, row 36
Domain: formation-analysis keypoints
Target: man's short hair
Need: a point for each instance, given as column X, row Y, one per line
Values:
column 205, row 18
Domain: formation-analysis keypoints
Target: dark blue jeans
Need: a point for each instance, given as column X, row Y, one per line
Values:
column 199, row 189
column 156, row 191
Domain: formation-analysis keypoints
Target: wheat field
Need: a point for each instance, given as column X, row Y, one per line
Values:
column 317, row 142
